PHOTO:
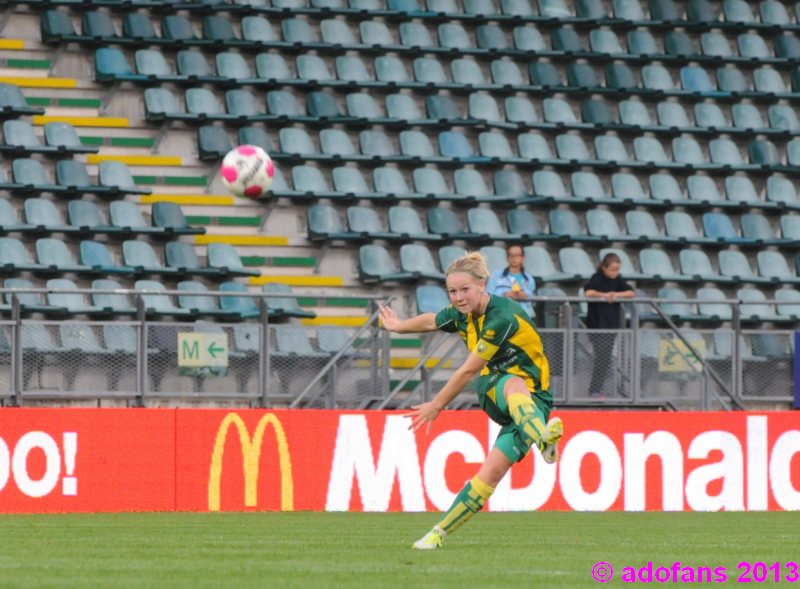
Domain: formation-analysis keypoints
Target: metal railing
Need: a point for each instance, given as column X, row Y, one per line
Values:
column 655, row 362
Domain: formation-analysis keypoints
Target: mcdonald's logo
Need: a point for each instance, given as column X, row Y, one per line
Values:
column 251, row 455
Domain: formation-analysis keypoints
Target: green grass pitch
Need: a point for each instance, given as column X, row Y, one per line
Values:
column 320, row 550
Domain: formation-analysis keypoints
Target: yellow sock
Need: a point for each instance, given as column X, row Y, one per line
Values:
column 523, row 412
column 467, row 503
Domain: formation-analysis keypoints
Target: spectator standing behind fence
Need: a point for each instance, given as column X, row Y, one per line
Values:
column 512, row 281
column 606, row 284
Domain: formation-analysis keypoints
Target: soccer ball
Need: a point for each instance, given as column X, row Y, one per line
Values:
column 247, row 170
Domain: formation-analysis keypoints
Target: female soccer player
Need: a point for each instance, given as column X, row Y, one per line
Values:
column 506, row 350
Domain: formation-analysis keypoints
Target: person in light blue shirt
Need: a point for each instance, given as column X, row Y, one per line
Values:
column 512, row 281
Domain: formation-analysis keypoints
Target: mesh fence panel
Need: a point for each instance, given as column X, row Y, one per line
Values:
column 767, row 364
column 671, row 371
column 198, row 360
column 6, row 339
column 601, row 365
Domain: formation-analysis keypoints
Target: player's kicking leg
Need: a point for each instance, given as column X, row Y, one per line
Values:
column 552, row 434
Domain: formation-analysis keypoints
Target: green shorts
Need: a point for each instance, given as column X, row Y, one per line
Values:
column 493, row 402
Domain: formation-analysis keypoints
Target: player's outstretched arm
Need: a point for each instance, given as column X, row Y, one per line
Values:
column 419, row 324
column 426, row 413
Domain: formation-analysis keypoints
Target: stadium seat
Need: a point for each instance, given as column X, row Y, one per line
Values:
column 678, row 310
column 141, row 256
column 117, row 178
column 656, row 264
column 157, row 304
column 696, row 264
column 405, row 222
column 417, row 260
column 734, row 265
column 446, row 223
column 576, row 261
column 431, row 298
column 224, row 258
column 30, row 177
column 284, row 306
column 19, row 139
column 74, row 303
column 773, row 266
column 44, row 217
column 54, row 255
column 182, row 256
column 97, row 256
column 526, row 224
column 540, row 264
column 376, row 265
column 29, row 302
column 13, row 103
column 719, row 226
column 244, row 306
column 114, row 303
column 788, row 305
column 710, row 310
column 364, row 221
column 449, row 254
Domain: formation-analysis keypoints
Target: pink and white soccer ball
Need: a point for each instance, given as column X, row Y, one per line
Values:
column 247, row 170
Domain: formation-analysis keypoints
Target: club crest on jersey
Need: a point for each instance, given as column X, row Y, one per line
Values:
column 481, row 347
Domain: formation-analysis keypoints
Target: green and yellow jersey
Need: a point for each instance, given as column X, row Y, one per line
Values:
column 505, row 336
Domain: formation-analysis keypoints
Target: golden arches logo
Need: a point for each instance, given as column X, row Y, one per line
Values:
column 251, row 455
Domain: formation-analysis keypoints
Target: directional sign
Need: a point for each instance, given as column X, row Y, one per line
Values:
column 197, row 350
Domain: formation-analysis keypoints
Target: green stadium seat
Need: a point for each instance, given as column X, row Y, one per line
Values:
column 97, row 256
column 194, row 67
column 213, row 143
column 773, row 266
column 417, row 260
column 114, row 303
column 225, row 258
column 117, row 179
column 782, row 191
column 734, row 265
column 364, row 221
column 526, row 224
column 13, row 103
column 19, row 139
column 182, row 256
column 54, row 255
column 31, row 302
column 603, row 224
column 169, row 217
column 75, row 304
column 44, row 217
column 431, row 298
column 141, row 256
column 244, row 307
column 376, row 265
column 576, row 262
column 449, row 254
column 788, row 305
column 155, row 303
column 285, row 306
column 127, row 217
column 713, row 311
column 656, row 265
column 486, row 226
column 111, row 65
column 446, row 223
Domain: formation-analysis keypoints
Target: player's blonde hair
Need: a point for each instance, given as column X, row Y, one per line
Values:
column 472, row 263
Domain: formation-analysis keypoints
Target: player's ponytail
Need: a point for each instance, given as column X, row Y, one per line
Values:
column 472, row 263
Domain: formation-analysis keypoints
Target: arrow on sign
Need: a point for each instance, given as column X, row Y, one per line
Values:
column 213, row 349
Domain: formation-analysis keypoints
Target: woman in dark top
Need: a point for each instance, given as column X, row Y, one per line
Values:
column 606, row 284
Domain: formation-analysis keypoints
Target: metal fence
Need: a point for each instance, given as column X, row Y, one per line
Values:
column 263, row 362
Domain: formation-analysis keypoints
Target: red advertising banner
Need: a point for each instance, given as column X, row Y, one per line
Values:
column 233, row 460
